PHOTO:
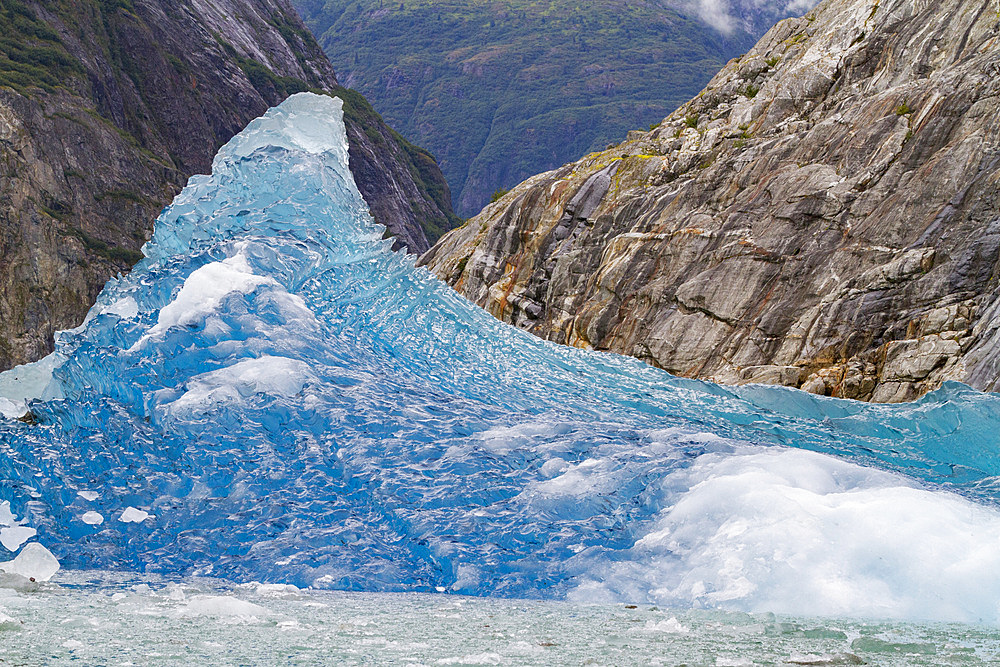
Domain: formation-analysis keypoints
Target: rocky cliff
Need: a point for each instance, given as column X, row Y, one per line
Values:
column 825, row 215
column 108, row 106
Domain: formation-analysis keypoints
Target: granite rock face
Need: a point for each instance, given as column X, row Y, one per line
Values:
column 824, row 215
column 148, row 91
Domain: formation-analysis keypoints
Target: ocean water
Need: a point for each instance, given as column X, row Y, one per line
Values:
column 273, row 396
column 125, row 619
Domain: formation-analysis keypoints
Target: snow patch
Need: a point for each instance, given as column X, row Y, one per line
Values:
column 133, row 515
column 203, row 292
column 93, row 518
column 275, row 376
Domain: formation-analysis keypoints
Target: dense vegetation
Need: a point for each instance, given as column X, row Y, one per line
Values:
column 503, row 89
column 31, row 53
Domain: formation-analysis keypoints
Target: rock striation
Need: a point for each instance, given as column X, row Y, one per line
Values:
column 824, row 215
column 108, row 106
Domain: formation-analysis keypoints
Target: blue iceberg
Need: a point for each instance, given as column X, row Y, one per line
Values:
column 273, row 395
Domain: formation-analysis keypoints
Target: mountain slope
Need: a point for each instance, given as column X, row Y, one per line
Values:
column 108, row 106
column 822, row 215
column 501, row 89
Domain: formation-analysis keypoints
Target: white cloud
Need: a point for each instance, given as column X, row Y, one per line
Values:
column 716, row 14
column 752, row 15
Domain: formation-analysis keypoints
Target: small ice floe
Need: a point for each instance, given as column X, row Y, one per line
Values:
column 670, row 625
column 133, row 515
column 34, row 563
column 89, row 496
column 92, row 518
column 475, row 659
column 73, row 644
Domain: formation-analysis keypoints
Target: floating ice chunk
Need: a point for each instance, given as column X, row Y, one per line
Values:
column 221, row 606
column 133, row 515
column 90, row 496
column 274, row 590
column 94, row 518
column 825, row 659
column 12, row 537
column 73, row 644
column 35, row 562
column 176, row 592
column 733, row 662
column 670, row 625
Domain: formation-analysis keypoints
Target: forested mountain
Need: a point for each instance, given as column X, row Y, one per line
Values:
column 502, row 89
column 108, row 106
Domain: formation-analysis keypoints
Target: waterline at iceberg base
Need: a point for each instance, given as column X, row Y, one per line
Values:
column 273, row 396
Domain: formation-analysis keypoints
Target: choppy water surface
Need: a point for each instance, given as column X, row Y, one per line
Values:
column 273, row 395
column 93, row 618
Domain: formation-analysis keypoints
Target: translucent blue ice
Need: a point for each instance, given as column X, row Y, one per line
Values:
column 273, row 395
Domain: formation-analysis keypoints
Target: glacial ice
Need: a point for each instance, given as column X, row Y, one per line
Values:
column 35, row 563
column 92, row 518
column 282, row 399
column 221, row 606
column 133, row 515
column 13, row 537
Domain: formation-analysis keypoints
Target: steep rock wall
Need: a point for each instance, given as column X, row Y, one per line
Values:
column 825, row 214
column 108, row 106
